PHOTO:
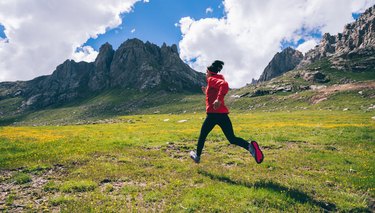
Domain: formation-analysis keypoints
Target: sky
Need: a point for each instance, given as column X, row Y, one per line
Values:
column 38, row 35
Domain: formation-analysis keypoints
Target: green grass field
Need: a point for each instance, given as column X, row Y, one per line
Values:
column 315, row 160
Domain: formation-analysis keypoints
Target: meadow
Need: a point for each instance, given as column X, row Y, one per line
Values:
column 315, row 160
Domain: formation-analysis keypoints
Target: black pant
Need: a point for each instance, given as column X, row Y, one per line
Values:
column 225, row 124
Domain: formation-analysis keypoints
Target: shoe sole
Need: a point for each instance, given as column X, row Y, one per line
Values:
column 194, row 160
column 258, row 153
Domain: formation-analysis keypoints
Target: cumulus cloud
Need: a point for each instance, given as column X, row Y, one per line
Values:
column 209, row 10
column 42, row 34
column 307, row 45
column 133, row 30
column 361, row 6
column 85, row 53
column 250, row 33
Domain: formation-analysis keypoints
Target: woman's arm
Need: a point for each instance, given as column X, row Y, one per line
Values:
column 204, row 89
column 223, row 90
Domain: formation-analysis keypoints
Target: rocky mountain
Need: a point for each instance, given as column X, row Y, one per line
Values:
column 134, row 65
column 356, row 40
column 146, row 66
column 343, row 50
column 282, row 62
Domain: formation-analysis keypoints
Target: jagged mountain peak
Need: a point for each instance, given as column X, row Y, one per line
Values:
column 146, row 65
column 282, row 62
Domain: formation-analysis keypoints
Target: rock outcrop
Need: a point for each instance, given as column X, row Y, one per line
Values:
column 356, row 40
column 315, row 76
column 68, row 82
column 100, row 77
column 282, row 62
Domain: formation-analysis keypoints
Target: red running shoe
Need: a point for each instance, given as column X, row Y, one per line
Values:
column 258, row 154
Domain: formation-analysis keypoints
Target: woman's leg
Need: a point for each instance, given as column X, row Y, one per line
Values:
column 208, row 124
column 226, row 125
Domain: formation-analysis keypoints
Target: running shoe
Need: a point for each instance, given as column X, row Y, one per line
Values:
column 195, row 157
column 256, row 152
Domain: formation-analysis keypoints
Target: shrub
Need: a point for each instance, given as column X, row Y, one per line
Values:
column 21, row 178
column 78, row 186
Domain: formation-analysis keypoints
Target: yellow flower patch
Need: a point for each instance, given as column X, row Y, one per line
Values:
column 22, row 133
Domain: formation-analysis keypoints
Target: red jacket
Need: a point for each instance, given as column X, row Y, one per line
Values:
column 216, row 89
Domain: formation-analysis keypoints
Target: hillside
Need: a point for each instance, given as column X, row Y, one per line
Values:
column 295, row 90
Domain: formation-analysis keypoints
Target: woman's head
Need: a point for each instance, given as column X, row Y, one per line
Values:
column 216, row 66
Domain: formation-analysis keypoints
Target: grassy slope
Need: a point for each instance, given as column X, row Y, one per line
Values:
column 111, row 104
column 142, row 163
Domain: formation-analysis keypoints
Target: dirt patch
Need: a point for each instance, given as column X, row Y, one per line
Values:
column 324, row 93
column 178, row 151
column 17, row 197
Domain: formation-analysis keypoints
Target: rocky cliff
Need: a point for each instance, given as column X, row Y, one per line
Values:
column 356, row 40
column 134, row 65
column 352, row 50
column 282, row 62
column 146, row 66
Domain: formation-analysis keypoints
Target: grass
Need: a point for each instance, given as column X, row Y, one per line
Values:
column 316, row 160
column 78, row 186
column 21, row 178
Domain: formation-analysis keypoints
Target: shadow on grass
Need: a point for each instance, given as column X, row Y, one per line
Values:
column 297, row 195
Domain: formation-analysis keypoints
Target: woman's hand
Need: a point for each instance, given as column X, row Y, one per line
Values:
column 203, row 89
column 216, row 104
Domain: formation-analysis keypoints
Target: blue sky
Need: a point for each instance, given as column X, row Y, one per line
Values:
column 155, row 21
column 245, row 34
column 2, row 34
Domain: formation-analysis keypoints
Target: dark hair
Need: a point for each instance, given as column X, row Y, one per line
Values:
column 216, row 66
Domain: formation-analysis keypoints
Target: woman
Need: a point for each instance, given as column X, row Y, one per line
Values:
column 217, row 113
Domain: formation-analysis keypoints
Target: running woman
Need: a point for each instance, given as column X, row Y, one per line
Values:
column 217, row 114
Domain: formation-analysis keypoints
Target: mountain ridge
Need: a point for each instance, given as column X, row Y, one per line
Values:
column 134, row 65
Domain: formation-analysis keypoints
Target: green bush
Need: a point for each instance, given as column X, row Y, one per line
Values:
column 51, row 186
column 61, row 200
column 78, row 186
column 21, row 178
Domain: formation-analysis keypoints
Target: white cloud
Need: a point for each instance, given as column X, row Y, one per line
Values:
column 85, row 53
column 307, row 45
column 361, row 6
column 133, row 30
column 250, row 34
column 43, row 34
column 209, row 10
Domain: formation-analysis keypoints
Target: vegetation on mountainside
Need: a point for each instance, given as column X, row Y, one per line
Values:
column 104, row 107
